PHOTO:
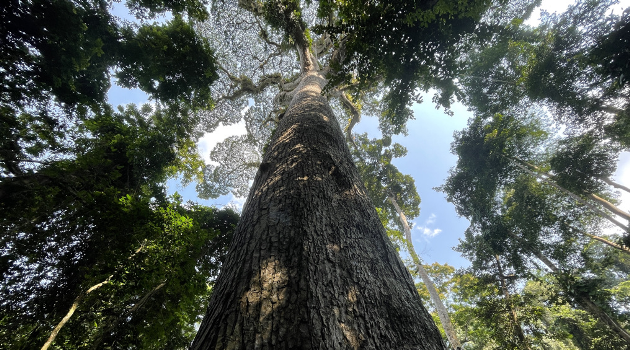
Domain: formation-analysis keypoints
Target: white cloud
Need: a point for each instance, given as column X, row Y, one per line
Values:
column 237, row 203
column 426, row 230
column 209, row 140
column 429, row 232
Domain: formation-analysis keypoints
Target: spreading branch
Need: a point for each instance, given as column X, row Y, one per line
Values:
column 349, row 106
column 244, row 85
column 70, row 312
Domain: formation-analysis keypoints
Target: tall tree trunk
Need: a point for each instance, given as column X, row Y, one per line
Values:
column 70, row 312
column 506, row 293
column 615, row 184
column 435, row 297
column 310, row 265
column 550, row 179
column 519, row 163
column 583, row 300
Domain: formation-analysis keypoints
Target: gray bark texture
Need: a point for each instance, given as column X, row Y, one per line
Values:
column 311, row 266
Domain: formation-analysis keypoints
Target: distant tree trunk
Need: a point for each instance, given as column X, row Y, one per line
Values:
column 607, row 242
column 550, row 181
column 70, row 312
column 606, row 204
column 310, row 265
column 615, row 184
column 435, row 297
column 506, row 293
column 582, row 300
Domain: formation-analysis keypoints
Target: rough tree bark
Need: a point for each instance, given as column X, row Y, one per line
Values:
column 435, row 296
column 310, row 265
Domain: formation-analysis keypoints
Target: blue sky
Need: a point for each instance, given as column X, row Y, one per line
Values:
column 437, row 230
column 428, row 160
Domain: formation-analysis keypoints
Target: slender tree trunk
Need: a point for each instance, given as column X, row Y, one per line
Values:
column 435, row 297
column 606, row 204
column 78, row 300
column 506, row 293
column 73, row 308
column 310, row 265
column 609, row 243
column 584, row 301
column 550, row 179
column 577, row 198
column 615, row 184
column 97, row 343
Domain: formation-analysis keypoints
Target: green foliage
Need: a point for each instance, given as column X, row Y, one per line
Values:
column 56, row 47
column 286, row 15
column 581, row 162
column 611, row 54
column 146, row 9
column 405, row 45
column 520, row 217
column 568, row 64
column 383, row 180
column 619, row 129
column 82, row 191
column 169, row 62
column 55, row 68
column 482, row 314
column 575, row 327
column 486, row 150
column 433, row 34
column 443, row 279
column 102, row 215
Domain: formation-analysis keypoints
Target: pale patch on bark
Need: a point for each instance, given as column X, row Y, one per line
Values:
column 352, row 336
column 267, row 292
column 352, row 294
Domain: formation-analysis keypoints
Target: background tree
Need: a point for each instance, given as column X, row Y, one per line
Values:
column 566, row 66
column 531, row 198
column 483, row 314
column 387, row 187
column 56, row 64
column 516, row 217
column 102, row 219
column 92, row 250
